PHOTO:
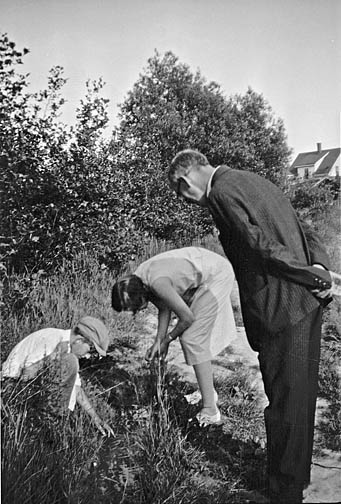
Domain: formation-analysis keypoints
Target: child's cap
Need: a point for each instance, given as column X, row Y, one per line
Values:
column 95, row 331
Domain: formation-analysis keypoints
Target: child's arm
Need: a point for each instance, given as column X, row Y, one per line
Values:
column 83, row 401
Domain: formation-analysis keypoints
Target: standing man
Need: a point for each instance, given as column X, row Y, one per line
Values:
column 283, row 283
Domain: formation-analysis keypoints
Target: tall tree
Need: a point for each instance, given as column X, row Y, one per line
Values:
column 54, row 180
column 31, row 142
column 169, row 109
column 257, row 139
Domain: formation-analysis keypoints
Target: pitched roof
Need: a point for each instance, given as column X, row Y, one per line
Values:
column 310, row 158
column 328, row 161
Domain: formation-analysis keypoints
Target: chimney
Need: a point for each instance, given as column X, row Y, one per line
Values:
column 319, row 146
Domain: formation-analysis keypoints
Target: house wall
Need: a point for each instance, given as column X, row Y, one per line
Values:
column 305, row 172
column 309, row 170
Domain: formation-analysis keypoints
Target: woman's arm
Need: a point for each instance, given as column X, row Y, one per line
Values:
column 83, row 401
column 164, row 316
column 160, row 345
column 166, row 299
column 165, row 292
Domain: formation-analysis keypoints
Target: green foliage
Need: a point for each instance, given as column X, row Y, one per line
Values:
column 169, row 109
column 257, row 140
column 164, row 461
column 329, row 388
column 156, row 454
column 31, row 152
column 328, row 226
column 48, row 455
column 54, row 182
column 147, row 409
column 310, row 199
column 65, row 189
column 92, row 116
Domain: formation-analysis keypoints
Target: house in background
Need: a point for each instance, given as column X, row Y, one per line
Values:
column 322, row 163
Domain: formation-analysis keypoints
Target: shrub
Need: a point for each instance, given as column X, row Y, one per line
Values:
column 64, row 189
column 310, row 199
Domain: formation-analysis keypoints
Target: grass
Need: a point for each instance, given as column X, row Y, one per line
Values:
column 157, row 454
column 154, row 456
column 329, row 427
column 45, row 456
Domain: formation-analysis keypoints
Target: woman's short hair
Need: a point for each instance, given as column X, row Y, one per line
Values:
column 131, row 287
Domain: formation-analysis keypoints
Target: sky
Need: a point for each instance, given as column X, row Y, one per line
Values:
column 287, row 50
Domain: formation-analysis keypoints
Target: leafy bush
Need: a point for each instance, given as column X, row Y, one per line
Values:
column 66, row 189
column 329, row 388
column 310, row 199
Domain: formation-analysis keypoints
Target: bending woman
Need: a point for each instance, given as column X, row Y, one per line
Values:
column 195, row 284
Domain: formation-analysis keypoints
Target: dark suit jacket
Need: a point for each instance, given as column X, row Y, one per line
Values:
column 264, row 240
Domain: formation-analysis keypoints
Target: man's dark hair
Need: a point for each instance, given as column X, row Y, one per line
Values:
column 183, row 161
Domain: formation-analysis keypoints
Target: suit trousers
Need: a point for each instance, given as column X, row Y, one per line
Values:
column 289, row 362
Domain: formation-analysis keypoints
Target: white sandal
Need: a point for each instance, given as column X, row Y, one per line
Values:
column 205, row 419
column 196, row 397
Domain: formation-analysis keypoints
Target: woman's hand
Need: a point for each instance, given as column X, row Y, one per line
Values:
column 158, row 350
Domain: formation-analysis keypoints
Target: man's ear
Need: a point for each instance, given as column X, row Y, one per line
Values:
column 182, row 180
column 187, row 184
column 185, row 180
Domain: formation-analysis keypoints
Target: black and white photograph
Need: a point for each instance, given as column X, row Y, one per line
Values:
column 170, row 251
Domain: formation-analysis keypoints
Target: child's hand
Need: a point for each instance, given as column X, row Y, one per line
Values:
column 104, row 428
column 107, row 430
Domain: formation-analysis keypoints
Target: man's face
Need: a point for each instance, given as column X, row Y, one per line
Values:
column 192, row 187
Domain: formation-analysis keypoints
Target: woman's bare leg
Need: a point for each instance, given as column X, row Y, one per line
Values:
column 203, row 372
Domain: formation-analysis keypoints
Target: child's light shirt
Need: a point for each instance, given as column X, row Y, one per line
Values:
column 33, row 349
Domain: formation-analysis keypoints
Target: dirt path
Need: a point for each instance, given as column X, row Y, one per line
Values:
column 326, row 469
